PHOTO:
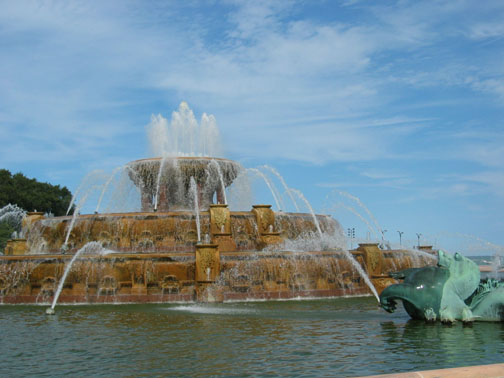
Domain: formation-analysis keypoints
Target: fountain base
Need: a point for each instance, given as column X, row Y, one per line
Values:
column 206, row 275
column 157, row 257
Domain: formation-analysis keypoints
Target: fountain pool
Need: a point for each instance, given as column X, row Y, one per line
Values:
column 341, row 337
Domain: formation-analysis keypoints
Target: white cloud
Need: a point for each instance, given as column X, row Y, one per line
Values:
column 489, row 153
column 493, row 86
column 267, row 66
column 493, row 181
column 382, row 175
column 486, row 30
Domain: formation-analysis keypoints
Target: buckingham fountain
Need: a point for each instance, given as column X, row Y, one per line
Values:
column 182, row 242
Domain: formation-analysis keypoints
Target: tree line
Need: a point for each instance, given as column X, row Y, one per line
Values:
column 30, row 195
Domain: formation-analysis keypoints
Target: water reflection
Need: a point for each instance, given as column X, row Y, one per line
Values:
column 441, row 345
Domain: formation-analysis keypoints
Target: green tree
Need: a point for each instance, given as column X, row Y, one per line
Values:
column 30, row 195
column 6, row 231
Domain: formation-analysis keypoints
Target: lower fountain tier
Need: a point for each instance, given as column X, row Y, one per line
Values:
column 171, row 231
column 206, row 275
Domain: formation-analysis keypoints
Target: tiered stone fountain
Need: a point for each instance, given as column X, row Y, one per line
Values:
column 171, row 250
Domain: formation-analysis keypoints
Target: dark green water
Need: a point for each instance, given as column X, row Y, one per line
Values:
column 334, row 337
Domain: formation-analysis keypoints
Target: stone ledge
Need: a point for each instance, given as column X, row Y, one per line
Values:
column 479, row 371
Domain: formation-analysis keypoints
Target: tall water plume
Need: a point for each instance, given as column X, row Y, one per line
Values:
column 183, row 135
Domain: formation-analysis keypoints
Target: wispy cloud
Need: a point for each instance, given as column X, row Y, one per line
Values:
column 267, row 56
column 485, row 30
column 492, row 180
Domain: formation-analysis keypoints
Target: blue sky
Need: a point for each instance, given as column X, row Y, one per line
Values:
column 399, row 103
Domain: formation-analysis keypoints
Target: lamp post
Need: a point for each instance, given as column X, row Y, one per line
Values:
column 418, row 236
column 383, row 234
column 351, row 235
column 400, row 236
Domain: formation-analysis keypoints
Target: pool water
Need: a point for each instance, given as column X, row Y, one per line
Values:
column 340, row 337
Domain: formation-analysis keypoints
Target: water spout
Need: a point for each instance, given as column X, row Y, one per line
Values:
column 362, row 273
column 284, row 184
column 95, row 247
column 303, row 198
column 158, row 182
column 89, row 180
column 269, row 184
column 105, row 187
column 72, row 222
column 221, row 179
column 194, row 191
column 358, row 215
column 359, row 202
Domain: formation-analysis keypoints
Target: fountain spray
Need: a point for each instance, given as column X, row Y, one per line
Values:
column 359, row 202
column 12, row 214
column 362, row 273
column 221, row 179
column 303, row 198
column 105, row 187
column 269, row 184
column 358, row 215
column 284, row 184
column 158, row 182
column 93, row 246
column 194, row 190
column 74, row 216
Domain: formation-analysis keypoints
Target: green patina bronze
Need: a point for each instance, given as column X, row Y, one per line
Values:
column 448, row 292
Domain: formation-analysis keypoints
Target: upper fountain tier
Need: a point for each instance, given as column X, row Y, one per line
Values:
column 165, row 183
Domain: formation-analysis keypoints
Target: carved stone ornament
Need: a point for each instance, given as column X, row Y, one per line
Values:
column 220, row 217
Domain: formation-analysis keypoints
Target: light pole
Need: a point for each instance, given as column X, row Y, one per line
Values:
column 351, row 235
column 418, row 236
column 400, row 237
column 383, row 234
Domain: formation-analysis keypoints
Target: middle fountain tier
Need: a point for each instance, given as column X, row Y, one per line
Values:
column 167, row 221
